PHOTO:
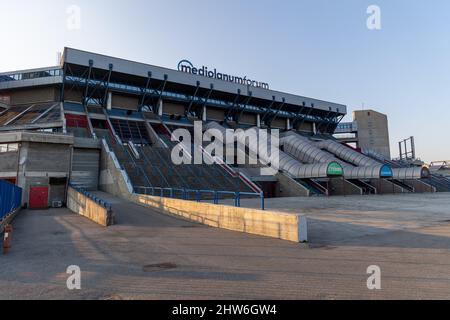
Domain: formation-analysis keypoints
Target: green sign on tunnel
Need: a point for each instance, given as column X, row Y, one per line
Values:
column 334, row 170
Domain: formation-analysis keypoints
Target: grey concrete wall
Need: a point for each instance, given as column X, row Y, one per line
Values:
column 154, row 138
column 9, row 162
column 385, row 187
column 342, row 187
column 48, row 157
column 288, row 187
column 290, row 227
column 88, row 208
column 38, row 163
column 41, row 157
column 113, row 179
column 420, row 187
column 373, row 131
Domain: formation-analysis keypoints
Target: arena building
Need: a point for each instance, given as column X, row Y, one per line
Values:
column 78, row 122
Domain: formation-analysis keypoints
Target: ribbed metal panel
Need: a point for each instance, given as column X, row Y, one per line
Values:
column 302, row 171
column 410, row 173
column 304, row 150
column 347, row 154
column 287, row 163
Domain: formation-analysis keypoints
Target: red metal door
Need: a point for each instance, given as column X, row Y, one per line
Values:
column 38, row 198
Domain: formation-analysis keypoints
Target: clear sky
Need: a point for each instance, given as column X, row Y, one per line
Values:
column 316, row 48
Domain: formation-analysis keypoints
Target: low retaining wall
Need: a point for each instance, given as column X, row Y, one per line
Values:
column 289, row 187
column 278, row 225
column 81, row 204
column 342, row 187
column 386, row 187
column 420, row 187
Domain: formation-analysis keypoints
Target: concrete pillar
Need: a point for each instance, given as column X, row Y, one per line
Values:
column 22, row 164
column 258, row 120
column 314, row 128
column 204, row 115
column 160, row 107
column 288, row 124
column 109, row 101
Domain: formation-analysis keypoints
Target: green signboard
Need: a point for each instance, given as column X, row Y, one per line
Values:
column 335, row 170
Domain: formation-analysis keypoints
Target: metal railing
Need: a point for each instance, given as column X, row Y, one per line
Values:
column 10, row 198
column 94, row 198
column 197, row 194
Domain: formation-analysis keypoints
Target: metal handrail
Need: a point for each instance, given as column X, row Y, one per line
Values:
column 161, row 192
column 148, row 162
column 96, row 199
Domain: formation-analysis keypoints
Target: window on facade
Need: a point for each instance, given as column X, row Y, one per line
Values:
column 9, row 147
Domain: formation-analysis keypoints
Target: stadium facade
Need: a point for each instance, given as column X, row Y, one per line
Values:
column 60, row 125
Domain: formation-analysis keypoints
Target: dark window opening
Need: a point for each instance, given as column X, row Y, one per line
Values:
column 58, row 181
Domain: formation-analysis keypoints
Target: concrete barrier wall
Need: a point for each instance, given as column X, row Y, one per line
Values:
column 342, row 187
column 289, row 187
column 88, row 208
column 420, row 187
column 278, row 225
column 113, row 179
column 386, row 187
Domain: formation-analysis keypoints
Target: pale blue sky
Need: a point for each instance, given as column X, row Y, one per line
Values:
column 316, row 48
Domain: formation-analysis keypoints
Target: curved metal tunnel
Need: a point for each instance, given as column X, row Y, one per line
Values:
column 303, row 149
column 362, row 160
column 413, row 173
column 299, row 150
column 286, row 163
column 347, row 154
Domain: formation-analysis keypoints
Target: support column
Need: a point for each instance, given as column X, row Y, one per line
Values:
column 204, row 115
column 258, row 120
column 314, row 128
column 109, row 101
column 160, row 107
column 288, row 124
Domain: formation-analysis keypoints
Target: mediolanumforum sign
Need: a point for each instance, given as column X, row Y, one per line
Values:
column 187, row 67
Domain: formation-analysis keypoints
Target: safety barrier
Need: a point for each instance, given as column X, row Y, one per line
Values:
column 185, row 194
column 10, row 199
column 89, row 206
column 97, row 200
column 279, row 225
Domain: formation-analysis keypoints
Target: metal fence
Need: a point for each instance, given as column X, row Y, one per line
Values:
column 10, row 198
column 198, row 195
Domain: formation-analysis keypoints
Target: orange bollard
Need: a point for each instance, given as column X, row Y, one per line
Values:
column 7, row 239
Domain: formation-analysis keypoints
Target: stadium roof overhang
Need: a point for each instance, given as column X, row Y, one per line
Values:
column 138, row 74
